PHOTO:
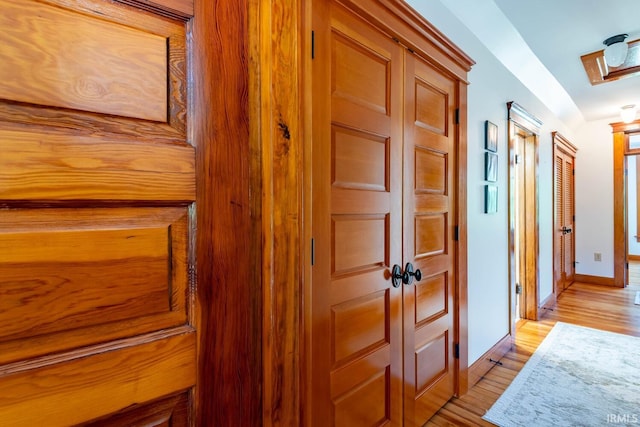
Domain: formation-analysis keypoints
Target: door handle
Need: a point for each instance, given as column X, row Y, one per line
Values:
column 566, row 230
column 397, row 276
column 408, row 270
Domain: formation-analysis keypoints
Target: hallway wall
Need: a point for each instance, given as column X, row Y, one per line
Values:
column 491, row 87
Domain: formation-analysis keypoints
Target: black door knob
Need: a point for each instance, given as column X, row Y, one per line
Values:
column 397, row 275
column 408, row 270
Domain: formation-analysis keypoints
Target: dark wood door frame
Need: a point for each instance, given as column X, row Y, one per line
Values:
column 519, row 118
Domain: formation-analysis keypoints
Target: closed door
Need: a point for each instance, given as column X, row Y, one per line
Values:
column 429, row 239
column 564, row 220
column 380, row 351
column 97, row 181
column 356, row 336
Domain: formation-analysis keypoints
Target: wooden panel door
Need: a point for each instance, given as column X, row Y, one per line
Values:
column 355, row 342
column 564, row 211
column 97, row 183
column 429, row 245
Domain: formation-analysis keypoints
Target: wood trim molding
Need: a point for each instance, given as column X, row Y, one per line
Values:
column 175, row 9
column 480, row 367
column 548, row 303
column 563, row 143
column 598, row 71
column 228, row 310
column 523, row 118
column 596, row 280
column 519, row 118
column 632, row 257
column 277, row 124
column 392, row 17
column 619, row 226
column 462, row 302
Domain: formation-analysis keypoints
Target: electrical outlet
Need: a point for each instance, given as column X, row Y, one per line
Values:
column 597, row 256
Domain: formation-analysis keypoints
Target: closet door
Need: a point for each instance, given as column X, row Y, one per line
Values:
column 429, row 246
column 354, row 335
column 564, row 251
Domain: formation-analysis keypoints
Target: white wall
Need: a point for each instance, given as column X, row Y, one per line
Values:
column 491, row 87
column 594, row 198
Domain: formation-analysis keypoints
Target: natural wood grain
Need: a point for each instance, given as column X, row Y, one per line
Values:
column 229, row 294
column 58, row 289
column 583, row 304
column 167, row 412
column 172, row 8
column 127, row 376
column 48, row 167
column 84, row 63
column 171, row 129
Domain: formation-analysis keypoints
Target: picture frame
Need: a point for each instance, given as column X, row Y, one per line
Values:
column 490, row 167
column 490, row 199
column 491, row 136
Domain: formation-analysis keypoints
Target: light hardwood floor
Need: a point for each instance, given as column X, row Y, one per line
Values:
column 600, row 307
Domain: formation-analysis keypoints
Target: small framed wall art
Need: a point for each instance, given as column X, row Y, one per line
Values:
column 490, row 166
column 491, row 136
column 490, row 198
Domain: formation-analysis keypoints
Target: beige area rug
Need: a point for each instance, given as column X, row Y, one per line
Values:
column 577, row 377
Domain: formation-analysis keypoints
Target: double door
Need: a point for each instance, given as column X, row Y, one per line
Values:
column 382, row 335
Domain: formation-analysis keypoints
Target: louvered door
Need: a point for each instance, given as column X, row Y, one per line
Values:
column 564, row 213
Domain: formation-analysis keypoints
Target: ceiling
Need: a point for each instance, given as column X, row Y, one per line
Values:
column 557, row 32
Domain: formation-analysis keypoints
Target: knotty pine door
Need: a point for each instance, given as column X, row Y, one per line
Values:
column 97, row 184
column 383, row 187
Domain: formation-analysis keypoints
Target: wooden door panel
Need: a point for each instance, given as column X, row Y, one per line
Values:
column 97, row 184
column 84, row 63
column 40, row 166
column 429, row 210
column 168, row 412
column 74, row 388
column 431, row 298
column 352, row 253
column 76, row 277
column 355, row 346
column 361, row 160
column 98, row 84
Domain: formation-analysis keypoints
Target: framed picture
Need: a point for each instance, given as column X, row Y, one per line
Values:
column 490, row 167
column 490, row 198
column 490, row 136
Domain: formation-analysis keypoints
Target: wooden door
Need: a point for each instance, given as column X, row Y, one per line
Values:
column 355, row 341
column 97, row 184
column 525, row 207
column 430, row 163
column 564, row 213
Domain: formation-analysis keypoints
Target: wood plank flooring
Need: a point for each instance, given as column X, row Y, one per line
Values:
column 599, row 307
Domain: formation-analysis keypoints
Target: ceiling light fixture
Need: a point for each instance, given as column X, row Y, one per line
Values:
column 616, row 50
column 628, row 113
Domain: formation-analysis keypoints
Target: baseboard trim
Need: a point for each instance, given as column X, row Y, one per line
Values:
column 547, row 304
column 594, row 280
column 480, row 367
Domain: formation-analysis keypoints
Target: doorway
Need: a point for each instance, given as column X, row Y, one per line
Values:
column 523, row 213
column 564, row 154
